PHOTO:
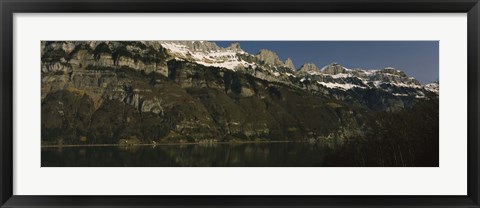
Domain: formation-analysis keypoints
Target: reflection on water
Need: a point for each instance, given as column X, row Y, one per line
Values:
column 190, row 155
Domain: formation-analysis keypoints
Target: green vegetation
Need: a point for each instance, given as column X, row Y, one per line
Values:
column 405, row 138
column 101, row 49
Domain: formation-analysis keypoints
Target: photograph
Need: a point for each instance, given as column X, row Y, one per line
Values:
column 239, row 103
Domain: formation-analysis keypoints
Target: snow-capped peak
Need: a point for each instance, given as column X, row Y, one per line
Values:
column 334, row 68
column 207, row 53
column 268, row 66
column 432, row 87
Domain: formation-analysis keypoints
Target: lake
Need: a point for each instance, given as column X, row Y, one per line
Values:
column 272, row 154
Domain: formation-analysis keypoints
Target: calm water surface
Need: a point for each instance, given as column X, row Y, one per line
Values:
column 190, row 155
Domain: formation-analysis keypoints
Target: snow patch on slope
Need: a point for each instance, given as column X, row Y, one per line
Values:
column 345, row 86
column 432, row 87
column 224, row 58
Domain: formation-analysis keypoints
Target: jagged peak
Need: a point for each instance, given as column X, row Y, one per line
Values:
column 394, row 71
column 266, row 52
column 289, row 64
column 202, row 45
column 235, row 46
column 269, row 57
column 308, row 67
column 432, row 87
column 330, row 65
column 333, row 68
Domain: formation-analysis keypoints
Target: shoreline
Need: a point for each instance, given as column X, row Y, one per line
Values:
column 160, row 144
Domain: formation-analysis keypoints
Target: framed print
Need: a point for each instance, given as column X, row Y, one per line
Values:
column 247, row 104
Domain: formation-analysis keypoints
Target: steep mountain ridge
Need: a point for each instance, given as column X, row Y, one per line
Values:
column 331, row 76
column 196, row 91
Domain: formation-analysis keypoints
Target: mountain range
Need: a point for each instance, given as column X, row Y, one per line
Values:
column 267, row 65
column 119, row 92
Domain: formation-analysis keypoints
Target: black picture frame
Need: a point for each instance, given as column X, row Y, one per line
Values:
column 9, row 7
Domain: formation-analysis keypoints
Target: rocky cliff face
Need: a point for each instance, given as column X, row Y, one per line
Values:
column 333, row 69
column 269, row 57
column 195, row 91
column 268, row 66
column 235, row 47
column 289, row 64
column 309, row 68
column 69, row 56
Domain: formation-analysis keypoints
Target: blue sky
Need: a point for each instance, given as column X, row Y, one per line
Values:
column 419, row 59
